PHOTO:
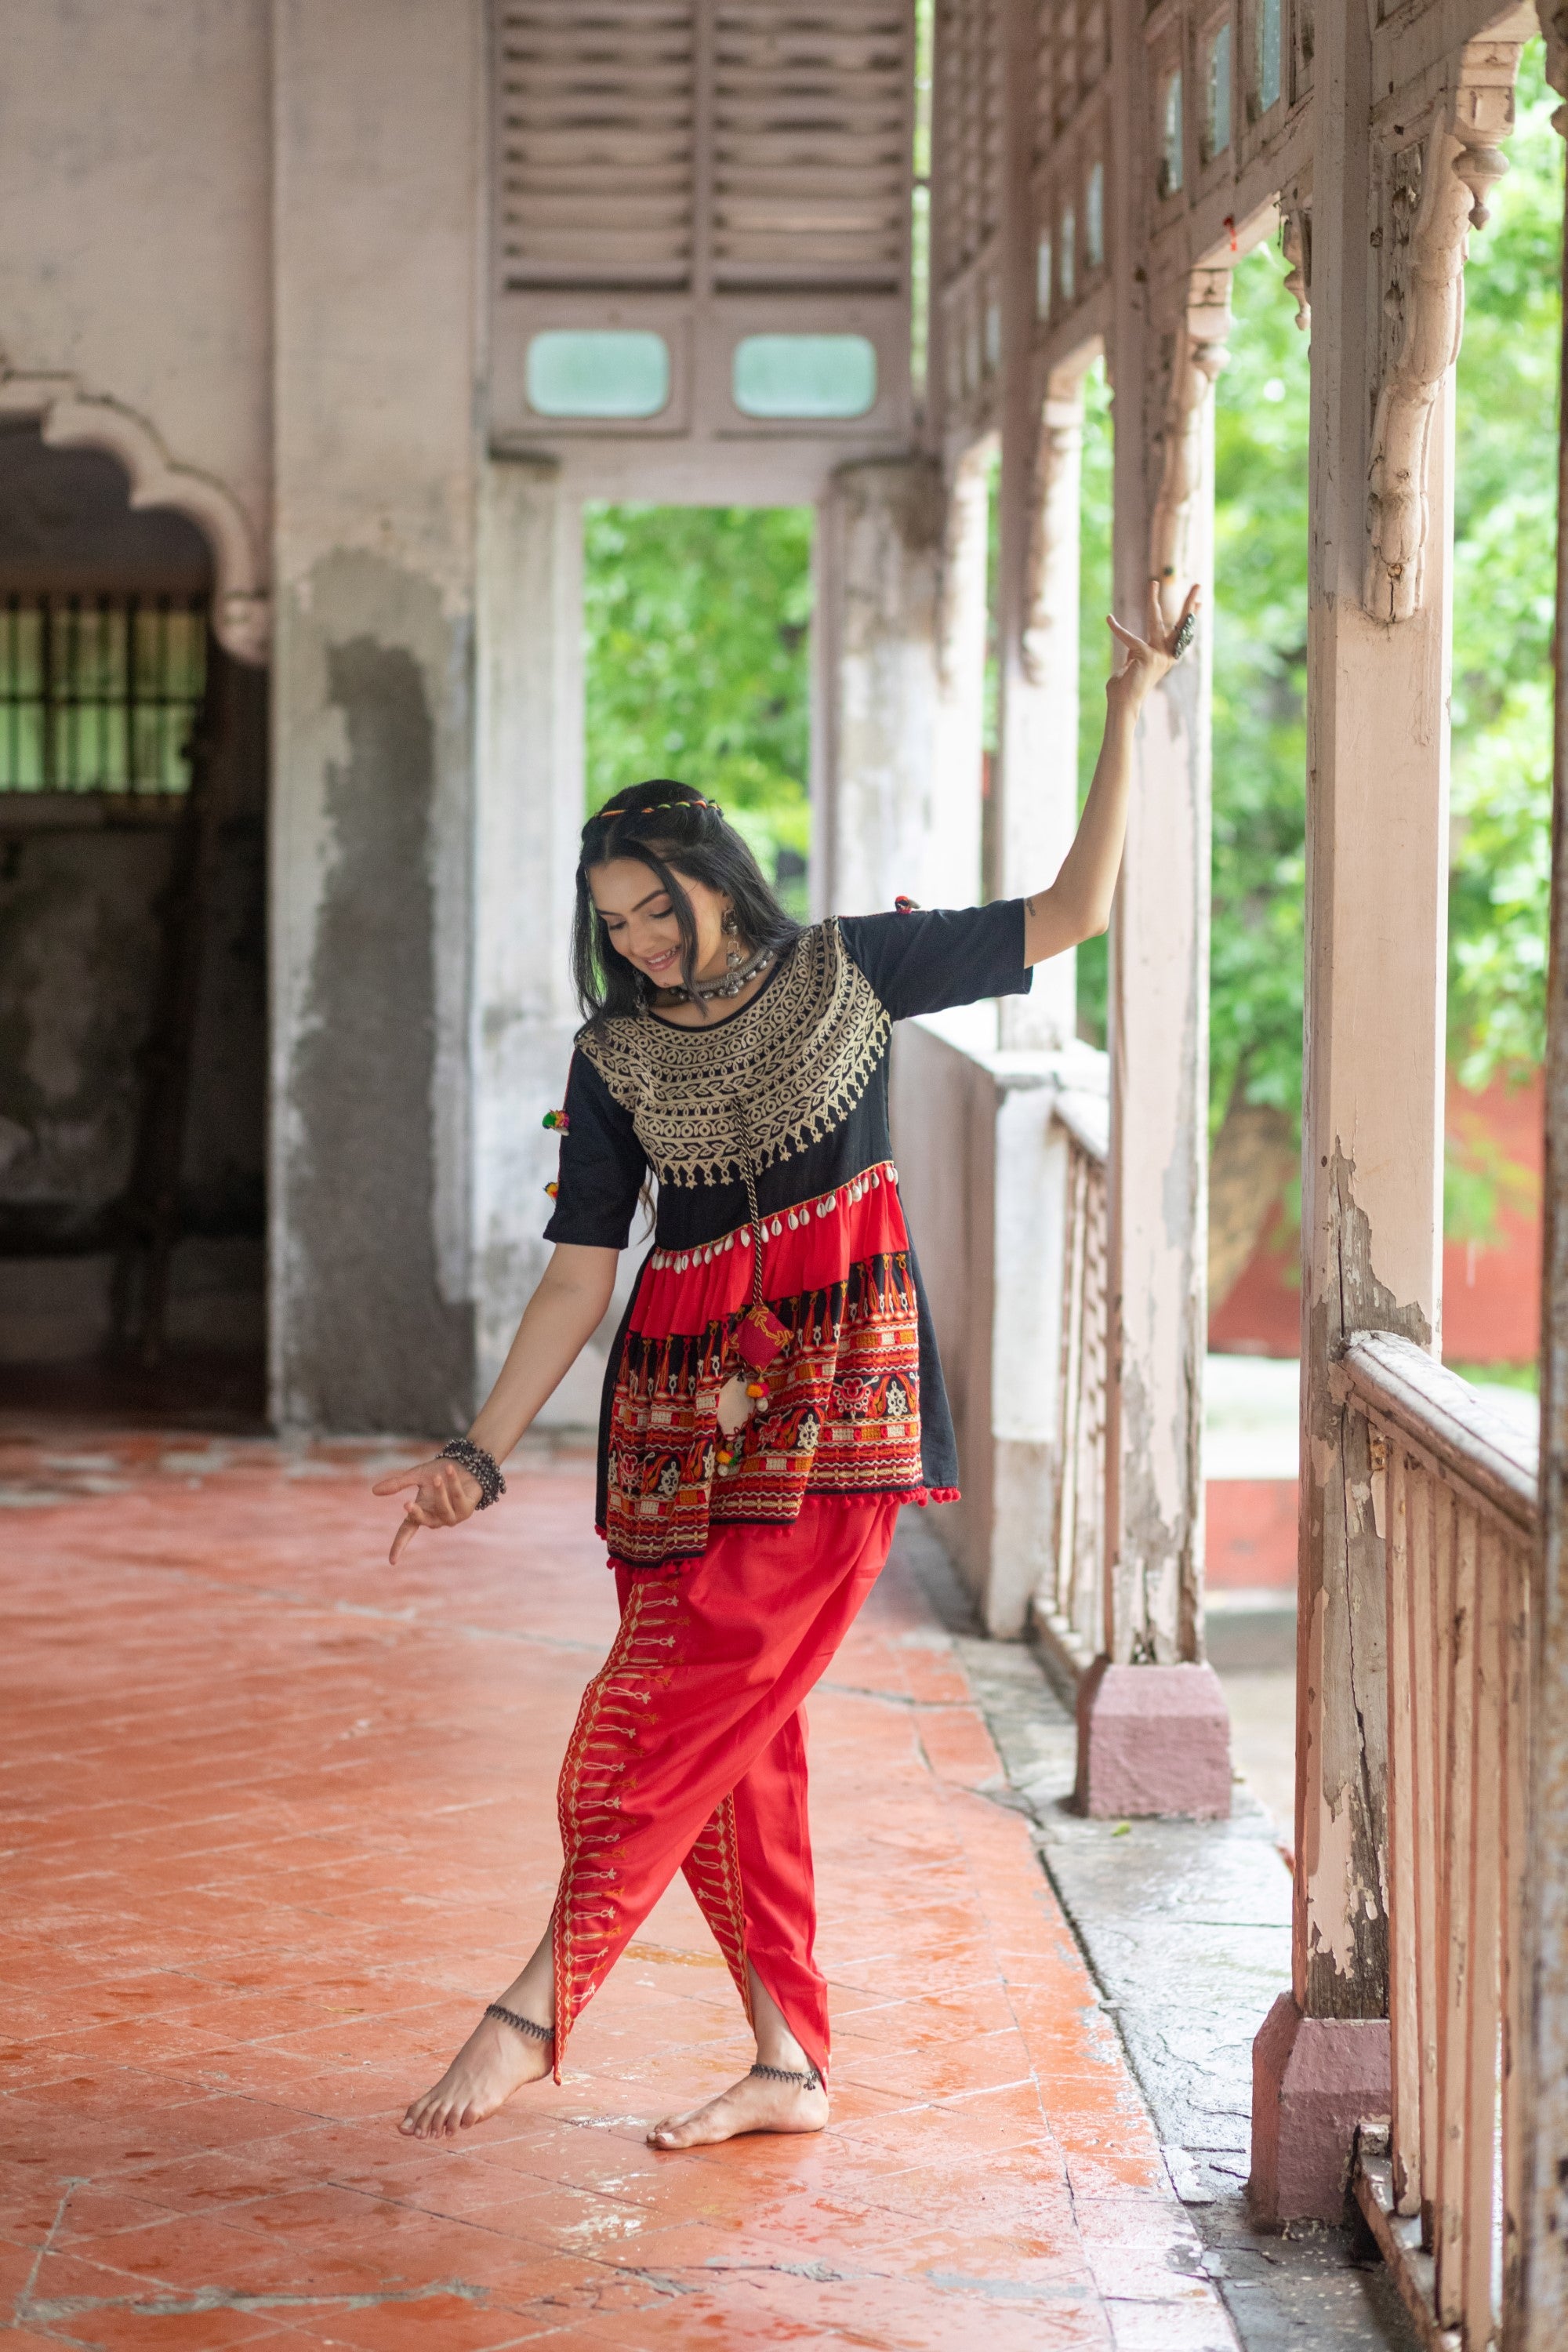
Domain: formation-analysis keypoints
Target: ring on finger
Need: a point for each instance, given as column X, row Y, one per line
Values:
column 1183, row 637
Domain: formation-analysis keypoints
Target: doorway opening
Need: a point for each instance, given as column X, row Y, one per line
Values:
column 697, row 666
column 132, row 981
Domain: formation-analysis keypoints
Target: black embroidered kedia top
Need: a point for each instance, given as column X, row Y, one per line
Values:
column 793, row 1088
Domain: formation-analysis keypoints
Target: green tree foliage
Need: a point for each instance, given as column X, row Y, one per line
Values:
column 697, row 656
column 697, row 624
column 1094, row 644
column 1504, row 530
column 1259, row 626
column 1505, row 526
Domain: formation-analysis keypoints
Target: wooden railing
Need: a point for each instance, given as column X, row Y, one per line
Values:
column 1070, row 1605
column 1453, row 1494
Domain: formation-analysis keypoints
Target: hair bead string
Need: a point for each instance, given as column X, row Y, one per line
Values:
column 652, row 808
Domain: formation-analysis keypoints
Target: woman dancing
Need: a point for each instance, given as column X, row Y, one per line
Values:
column 774, row 1395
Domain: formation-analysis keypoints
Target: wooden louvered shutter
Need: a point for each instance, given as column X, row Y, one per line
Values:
column 811, row 144
column 596, row 136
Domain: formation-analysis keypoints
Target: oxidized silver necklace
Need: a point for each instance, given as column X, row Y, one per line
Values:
column 730, row 984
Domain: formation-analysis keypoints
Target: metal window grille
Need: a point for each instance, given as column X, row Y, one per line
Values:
column 99, row 694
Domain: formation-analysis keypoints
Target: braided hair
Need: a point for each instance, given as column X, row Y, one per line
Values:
column 671, row 830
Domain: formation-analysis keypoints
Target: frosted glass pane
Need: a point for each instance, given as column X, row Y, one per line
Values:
column 598, row 371
column 1094, row 218
column 804, row 376
column 1171, row 136
column 1219, row 92
column 1267, row 54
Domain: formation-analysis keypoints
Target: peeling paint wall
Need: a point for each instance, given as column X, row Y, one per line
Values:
column 378, row 173
column 376, row 1343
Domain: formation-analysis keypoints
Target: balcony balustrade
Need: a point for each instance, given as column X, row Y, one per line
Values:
column 1069, row 1602
column 1452, row 1493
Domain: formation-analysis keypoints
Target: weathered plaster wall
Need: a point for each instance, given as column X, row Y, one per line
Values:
column 527, row 826
column 982, row 1170
column 378, row 176
column 134, row 187
column 900, row 640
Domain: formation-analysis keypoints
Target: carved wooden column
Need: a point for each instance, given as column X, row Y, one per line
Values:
column 1535, row 2294
column 1386, row 312
column 1035, row 789
column 1034, row 783
column 1153, row 1734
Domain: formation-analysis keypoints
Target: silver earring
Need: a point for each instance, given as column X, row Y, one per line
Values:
column 732, row 930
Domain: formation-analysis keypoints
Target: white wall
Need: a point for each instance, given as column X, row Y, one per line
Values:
column 135, row 190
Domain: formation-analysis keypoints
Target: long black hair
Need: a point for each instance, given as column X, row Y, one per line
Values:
column 671, row 830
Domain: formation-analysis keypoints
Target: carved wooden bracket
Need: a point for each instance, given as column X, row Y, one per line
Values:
column 70, row 418
column 1296, row 244
column 1553, row 15
column 1434, row 193
column 1197, row 357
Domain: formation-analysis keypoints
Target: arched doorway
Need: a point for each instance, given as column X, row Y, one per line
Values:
column 132, row 981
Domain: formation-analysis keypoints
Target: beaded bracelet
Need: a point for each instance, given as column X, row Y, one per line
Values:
column 481, row 1465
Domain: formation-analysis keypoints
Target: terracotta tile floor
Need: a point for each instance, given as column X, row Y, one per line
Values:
column 281, row 1819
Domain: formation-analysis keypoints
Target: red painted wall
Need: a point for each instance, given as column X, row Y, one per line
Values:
column 1491, row 1295
column 1249, row 1534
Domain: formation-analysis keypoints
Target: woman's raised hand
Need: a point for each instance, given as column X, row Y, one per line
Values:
column 444, row 1496
column 1148, row 659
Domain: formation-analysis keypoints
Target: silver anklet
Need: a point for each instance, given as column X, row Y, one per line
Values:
column 523, row 2024
column 810, row 2081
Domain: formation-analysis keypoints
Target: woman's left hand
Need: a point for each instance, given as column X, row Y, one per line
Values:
column 444, row 1496
column 1148, row 659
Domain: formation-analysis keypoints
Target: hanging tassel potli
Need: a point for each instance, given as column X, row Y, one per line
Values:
column 759, row 1336
column 558, row 1123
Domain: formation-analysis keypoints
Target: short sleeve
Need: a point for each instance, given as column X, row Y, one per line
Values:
column 602, row 1165
column 927, row 960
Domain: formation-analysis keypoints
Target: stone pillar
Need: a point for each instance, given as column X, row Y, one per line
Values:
column 901, row 659
column 1376, row 928
column 527, row 821
column 1153, row 1733
column 379, row 195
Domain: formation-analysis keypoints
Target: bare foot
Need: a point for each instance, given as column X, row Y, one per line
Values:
column 754, row 2104
column 494, row 2062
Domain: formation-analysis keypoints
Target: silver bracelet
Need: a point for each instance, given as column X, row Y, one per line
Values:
column 481, row 1465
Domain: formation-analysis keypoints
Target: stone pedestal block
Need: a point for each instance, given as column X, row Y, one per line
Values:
column 1152, row 1739
column 1314, row 2080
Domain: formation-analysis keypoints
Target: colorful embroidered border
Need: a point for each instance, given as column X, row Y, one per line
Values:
column 870, row 1180
column 844, row 1417
column 800, row 1054
column 712, row 1871
column 596, row 1773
